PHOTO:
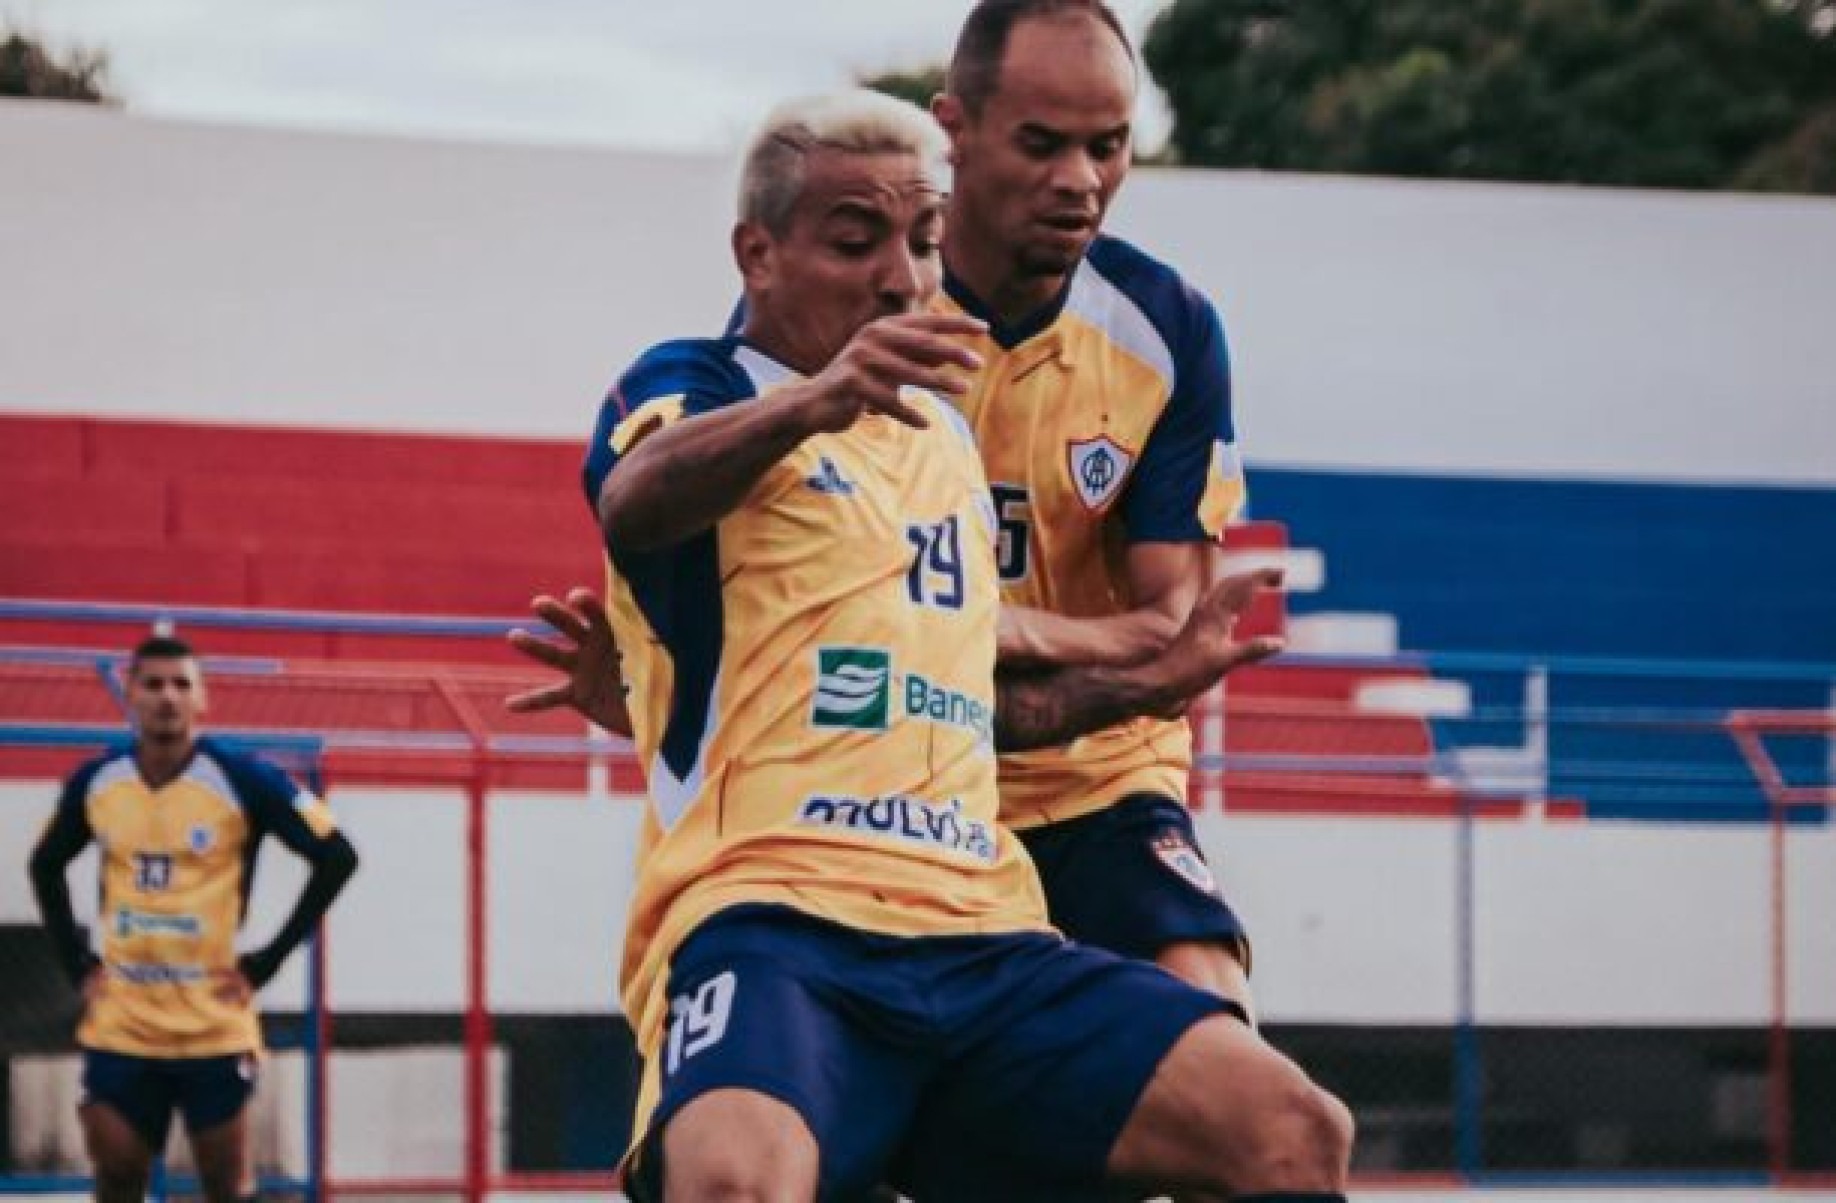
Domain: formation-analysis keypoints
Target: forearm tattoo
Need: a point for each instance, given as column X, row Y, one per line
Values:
column 1040, row 708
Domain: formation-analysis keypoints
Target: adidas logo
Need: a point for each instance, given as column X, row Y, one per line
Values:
column 828, row 479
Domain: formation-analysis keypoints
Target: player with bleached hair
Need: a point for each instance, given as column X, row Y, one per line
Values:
column 833, row 942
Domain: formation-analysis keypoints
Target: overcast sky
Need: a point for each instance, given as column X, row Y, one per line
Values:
column 679, row 74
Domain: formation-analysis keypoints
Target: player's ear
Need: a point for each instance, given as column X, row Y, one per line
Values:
column 754, row 253
column 950, row 113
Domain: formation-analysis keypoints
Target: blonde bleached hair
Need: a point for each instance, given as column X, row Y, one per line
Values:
column 855, row 122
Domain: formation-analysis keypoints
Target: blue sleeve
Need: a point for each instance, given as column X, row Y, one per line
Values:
column 1188, row 483
column 274, row 803
column 63, row 840
column 669, row 382
column 67, row 832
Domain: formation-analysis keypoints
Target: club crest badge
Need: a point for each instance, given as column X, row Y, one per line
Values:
column 1098, row 468
column 200, row 838
column 1177, row 854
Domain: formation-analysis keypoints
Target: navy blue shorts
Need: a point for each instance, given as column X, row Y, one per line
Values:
column 145, row 1090
column 1130, row 878
column 1017, row 1047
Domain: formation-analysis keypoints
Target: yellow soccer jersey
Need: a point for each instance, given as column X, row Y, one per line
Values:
column 176, row 866
column 1103, row 421
column 812, row 681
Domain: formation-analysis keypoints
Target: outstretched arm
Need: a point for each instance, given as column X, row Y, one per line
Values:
column 1040, row 708
column 586, row 655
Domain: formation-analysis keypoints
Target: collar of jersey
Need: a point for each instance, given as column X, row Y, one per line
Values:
column 779, row 372
column 191, row 758
column 1008, row 336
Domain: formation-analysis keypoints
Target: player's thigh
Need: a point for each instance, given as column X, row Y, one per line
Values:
column 1032, row 1103
column 1226, row 1111
column 126, row 1113
column 769, row 1021
column 1132, row 879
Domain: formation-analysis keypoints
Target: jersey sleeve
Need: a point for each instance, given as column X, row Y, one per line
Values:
column 1189, row 483
column 278, row 805
column 66, row 833
column 667, row 383
column 65, row 836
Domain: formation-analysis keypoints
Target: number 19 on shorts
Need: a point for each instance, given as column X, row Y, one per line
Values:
column 698, row 1019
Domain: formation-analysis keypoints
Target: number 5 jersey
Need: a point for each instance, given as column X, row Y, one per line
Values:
column 1103, row 420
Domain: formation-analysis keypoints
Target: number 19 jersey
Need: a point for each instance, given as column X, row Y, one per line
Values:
column 812, row 680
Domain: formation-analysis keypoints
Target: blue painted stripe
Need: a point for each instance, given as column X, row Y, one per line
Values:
column 75, row 657
column 44, row 1184
column 75, row 735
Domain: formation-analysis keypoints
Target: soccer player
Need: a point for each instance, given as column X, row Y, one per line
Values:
column 832, row 941
column 1103, row 416
column 1104, row 421
column 168, row 1006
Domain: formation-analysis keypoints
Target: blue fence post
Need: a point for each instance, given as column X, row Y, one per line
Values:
column 1469, row 1083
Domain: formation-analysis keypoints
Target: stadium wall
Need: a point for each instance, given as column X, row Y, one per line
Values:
column 193, row 271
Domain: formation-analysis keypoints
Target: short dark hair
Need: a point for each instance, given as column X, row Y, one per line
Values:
column 159, row 647
column 975, row 65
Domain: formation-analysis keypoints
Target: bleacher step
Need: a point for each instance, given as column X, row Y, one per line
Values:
column 1343, row 633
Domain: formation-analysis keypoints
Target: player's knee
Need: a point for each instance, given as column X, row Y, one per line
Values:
column 1335, row 1131
column 1304, row 1141
column 738, row 1170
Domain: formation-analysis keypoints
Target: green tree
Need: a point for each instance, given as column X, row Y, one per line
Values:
column 917, row 85
column 1662, row 93
column 29, row 68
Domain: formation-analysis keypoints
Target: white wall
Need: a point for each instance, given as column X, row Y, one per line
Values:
column 1354, row 920
column 240, row 275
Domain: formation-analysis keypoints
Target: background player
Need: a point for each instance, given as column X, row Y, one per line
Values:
column 803, row 584
column 1103, row 418
column 168, row 1007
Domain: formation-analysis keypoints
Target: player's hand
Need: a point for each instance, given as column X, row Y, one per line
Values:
column 586, row 656
column 1206, row 648
column 231, row 986
column 886, row 356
